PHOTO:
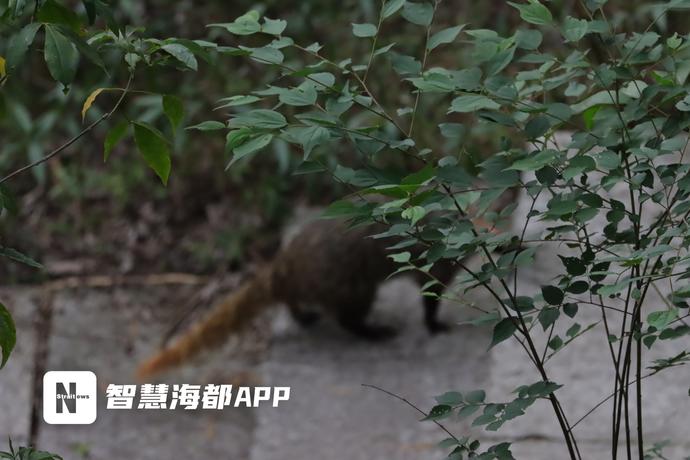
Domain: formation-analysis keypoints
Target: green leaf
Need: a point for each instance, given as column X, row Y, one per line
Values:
column 265, row 55
column 533, row 12
column 253, row 145
column 246, row 24
column 303, row 95
column 542, row 389
column 154, row 149
column 537, row 127
column 684, row 104
column 466, row 411
column 418, row 13
column 484, row 419
column 578, row 287
column 19, row 44
column 445, row 36
column 661, row 319
column 61, row 56
column 260, row 119
column 600, row 98
column 420, row 177
column 405, row 65
column 364, row 30
column 344, row 209
column 51, row 12
column 475, row 397
column 535, row 161
column 552, row 295
column 472, row 103
column 414, row 214
column 570, row 309
column 19, row 257
column 115, row 135
column 526, row 256
column 575, row 89
column 236, row 137
column 548, row 316
column 574, row 29
column 451, row 398
column 182, row 54
column 528, row 39
column 503, row 331
column 612, row 289
column 273, row 26
column 439, row 412
column 555, row 343
column 210, row 125
column 452, row 130
column 174, row 110
column 674, row 42
column 391, row 7
column 401, row 257
column 233, row 101
column 310, row 137
column 323, row 80
column 8, row 334
column 573, row 330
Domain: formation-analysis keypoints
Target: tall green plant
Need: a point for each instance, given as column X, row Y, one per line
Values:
column 65, row 37
column 628, row 120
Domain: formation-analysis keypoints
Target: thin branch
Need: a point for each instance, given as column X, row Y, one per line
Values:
column 81, row 134
column 400, row 398
column 374, row 41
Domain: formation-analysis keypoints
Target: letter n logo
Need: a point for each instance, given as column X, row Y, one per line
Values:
column 63, row 395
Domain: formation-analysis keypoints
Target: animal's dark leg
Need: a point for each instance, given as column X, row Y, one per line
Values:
column 443, row 271
column 358, row 326
column 431, row 316
column 352, row 316
column 304, row 317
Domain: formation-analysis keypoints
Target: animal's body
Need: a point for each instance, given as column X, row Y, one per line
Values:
column 327, row 268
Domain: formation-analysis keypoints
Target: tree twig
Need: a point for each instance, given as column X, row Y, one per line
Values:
column 400, row 398
column 81, row 134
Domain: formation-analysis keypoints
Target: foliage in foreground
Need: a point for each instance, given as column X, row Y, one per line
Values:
column 628, row 120
column 27, row 453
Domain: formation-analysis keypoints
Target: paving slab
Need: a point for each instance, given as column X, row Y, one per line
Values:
column 331, row 416
column 15, row 378
column 109, row 332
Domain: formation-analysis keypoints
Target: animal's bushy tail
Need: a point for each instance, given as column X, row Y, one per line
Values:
column 229, row 316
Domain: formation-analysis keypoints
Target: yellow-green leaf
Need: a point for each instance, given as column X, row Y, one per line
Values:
column 89, row 102
column 2, row 67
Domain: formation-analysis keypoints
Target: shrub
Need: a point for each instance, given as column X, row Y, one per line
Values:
column 627, row 117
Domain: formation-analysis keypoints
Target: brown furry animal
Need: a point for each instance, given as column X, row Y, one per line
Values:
column 327, row 265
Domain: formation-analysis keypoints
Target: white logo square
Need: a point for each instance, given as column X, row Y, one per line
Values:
column 70, row 398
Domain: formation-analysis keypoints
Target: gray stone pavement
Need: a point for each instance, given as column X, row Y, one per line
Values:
column 16, row 377
column 330, row 416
